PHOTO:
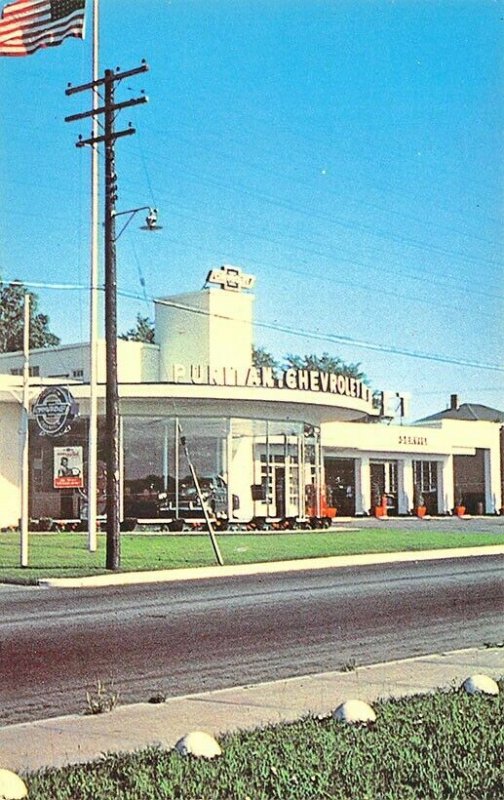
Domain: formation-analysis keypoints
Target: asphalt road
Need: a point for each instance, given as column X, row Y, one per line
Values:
column 179, row 638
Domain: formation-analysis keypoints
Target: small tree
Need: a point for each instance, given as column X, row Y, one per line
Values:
column 12, row 320
column 142, row 332
column 325, row 363
column 263, row 358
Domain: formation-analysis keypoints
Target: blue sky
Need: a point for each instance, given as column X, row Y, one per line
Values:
column 347, row 153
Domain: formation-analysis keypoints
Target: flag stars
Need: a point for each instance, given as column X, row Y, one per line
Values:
column 63, row 8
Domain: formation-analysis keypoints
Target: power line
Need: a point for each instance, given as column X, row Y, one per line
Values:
column 226, row 157
column 348, row 340
column 427, row 300
column 321, row 336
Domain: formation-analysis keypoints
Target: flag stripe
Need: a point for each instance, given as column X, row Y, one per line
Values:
column 22, row 9
column 27, row 7
column 28, row 25
column 26, row 34
column 29, row 44
column 18, row 27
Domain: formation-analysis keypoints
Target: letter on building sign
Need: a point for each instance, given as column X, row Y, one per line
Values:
column 198, row 373
column 178, row 373
column 303, row 379
column 324, row 381
column 230, row 376
column 267, row 377
column 314, row 380
column 290, row 379
column 253, row 377
column 215, row 377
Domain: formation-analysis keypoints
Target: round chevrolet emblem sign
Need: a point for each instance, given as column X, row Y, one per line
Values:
column 54, row 410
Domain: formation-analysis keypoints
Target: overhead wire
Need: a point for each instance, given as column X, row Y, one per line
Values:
column 305, row 333
column 417, row 275
column 271, row 199
column 346, row 224
column 347, row 340
column 424, row 299
column 258, row 166
column 317, row 144
column 310, row 250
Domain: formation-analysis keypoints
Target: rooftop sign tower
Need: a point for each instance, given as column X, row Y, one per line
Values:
column 209, row 328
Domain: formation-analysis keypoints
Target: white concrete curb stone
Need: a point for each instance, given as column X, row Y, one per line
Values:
column 355, row 712
column 11, row 786
column 198, row 744
column 480, row 684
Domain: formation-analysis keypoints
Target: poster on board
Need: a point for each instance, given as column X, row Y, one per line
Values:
column 67, row 468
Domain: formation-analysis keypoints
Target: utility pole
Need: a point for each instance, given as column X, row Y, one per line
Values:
column 109, row 111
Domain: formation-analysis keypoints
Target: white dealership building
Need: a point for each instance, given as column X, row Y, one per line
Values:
column 264, row 443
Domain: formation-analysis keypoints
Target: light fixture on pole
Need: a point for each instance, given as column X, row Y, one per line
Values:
column 151, row 223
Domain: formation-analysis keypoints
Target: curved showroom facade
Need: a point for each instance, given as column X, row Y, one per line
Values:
column 256, row 450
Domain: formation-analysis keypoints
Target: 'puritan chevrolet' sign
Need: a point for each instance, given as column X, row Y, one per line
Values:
column 308, row 380
column 55, row 409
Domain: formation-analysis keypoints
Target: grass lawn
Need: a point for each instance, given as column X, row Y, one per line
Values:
column 66, row 554
column 443, row 746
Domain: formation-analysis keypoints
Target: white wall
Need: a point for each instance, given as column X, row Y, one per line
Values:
column 405, row 444
column 10, row 464
column 241, row 474
column 230, row 331
column 212, row 327
column 136, row 362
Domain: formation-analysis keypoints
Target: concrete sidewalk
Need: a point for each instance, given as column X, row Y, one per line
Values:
column 72, row 739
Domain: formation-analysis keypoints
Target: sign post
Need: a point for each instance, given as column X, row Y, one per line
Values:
column 25, row 413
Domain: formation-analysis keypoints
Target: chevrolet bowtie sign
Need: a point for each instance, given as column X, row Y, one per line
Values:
column 55, row 409
column 231, row 278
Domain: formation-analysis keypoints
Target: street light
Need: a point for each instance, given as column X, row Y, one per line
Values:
column 150, row 219
column 112, row 393
column 109, row 136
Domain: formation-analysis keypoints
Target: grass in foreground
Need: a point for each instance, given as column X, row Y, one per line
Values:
column 444, row 746
column 66, row 554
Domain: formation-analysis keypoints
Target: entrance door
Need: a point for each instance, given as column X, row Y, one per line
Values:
column 377, row 472
column 340, row 485
column 384, row 482
column 469, row 481
column 280, row 491
column 425, row 479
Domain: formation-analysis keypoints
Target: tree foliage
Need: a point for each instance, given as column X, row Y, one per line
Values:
column 324, row 363
column 142, row 332
column 262, row 358
column 12, row 320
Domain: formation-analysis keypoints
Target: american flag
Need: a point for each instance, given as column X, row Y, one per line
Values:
column 27, row 25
